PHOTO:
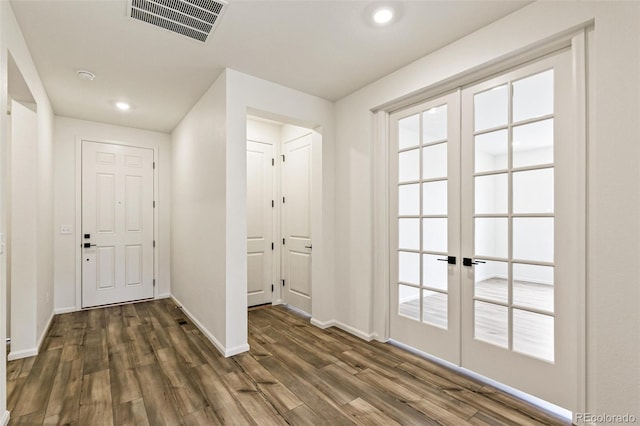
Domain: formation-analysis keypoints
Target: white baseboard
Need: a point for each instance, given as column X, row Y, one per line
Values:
column 5, row 418
column 67, row 310
column 44, row 332
column 25, row 353
column 342, row 326
column 321, row 324
column 236, row 350
column 219, row 346
column 164, row 296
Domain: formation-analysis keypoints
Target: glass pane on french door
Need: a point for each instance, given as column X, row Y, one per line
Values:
column 519, row 185
column 425, row 226
column 514, row 216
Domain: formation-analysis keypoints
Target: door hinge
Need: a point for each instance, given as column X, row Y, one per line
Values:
column 282, row 200
column 271, row 288
column 282, row 283
column 154, row 165
column 273, row 161
column 282, row 158
column 154, row 243
column 154, row 204
column 273, row 203
column 283, row 242
column 272, row 246
column 154, row 282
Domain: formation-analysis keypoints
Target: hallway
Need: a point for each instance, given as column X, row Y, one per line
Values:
column 146, row 363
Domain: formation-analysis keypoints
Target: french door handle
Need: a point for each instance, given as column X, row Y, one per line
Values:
column 87, row 245
column 467, row 261
column 309, row 247
column 451, row 260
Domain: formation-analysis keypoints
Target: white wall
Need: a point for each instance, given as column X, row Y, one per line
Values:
column 68, row 133
column 11, row 39
column 261, row 131
column 199, row 213
column 23, row 223
column 613, row 376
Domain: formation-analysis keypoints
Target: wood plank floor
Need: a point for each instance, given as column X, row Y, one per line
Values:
column 147, row 364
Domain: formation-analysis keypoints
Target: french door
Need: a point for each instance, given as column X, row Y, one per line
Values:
column 484, row 234
column 425, row 296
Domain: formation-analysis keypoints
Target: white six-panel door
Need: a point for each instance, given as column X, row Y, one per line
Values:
column 117, row 223
column 493, row 176
column 259, row 222
column 296, row 222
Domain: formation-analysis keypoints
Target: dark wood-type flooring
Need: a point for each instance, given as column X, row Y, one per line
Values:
column 146, row 363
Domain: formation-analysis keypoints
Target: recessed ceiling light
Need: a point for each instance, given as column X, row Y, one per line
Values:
column 383, row 15
column 123, row 106
column 86, row 75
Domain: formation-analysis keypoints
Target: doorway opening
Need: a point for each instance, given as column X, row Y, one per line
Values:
column 279, row 213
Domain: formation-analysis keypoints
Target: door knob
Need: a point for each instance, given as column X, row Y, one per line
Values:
column 467, row 261
column 451, row 260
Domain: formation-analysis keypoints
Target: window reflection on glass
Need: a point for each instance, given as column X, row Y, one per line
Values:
column 434, row 198
column 491, row 108
column 434, row 308
column 434, row 161
column 533, row 96
column 409, row 132
column 491, row 151
column 434, row 124
column 491, row 323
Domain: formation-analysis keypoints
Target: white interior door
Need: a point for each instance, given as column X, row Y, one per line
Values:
column 117, row 223
column 296, row 222
column 425, row 230
column 504, row 192
column 259, row 223
column 521, row 228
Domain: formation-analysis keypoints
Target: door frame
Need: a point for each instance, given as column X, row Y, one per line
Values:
column 318, row 268
column 78, row 217
column 576, row 41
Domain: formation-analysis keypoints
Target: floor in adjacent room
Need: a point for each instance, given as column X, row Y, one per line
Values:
column 146, row 363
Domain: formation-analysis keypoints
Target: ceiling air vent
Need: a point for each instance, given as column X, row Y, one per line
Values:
column 191, row 18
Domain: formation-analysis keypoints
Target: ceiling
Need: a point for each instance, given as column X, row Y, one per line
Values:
column 325, row 48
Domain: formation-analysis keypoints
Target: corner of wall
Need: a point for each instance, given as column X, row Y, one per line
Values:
column 227, row 352
column 344, row 327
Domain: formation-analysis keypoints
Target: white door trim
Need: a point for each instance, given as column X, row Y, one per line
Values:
column 576, row 40
column 78, row 217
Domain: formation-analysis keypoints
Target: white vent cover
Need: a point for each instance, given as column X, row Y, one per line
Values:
column 191, row 18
